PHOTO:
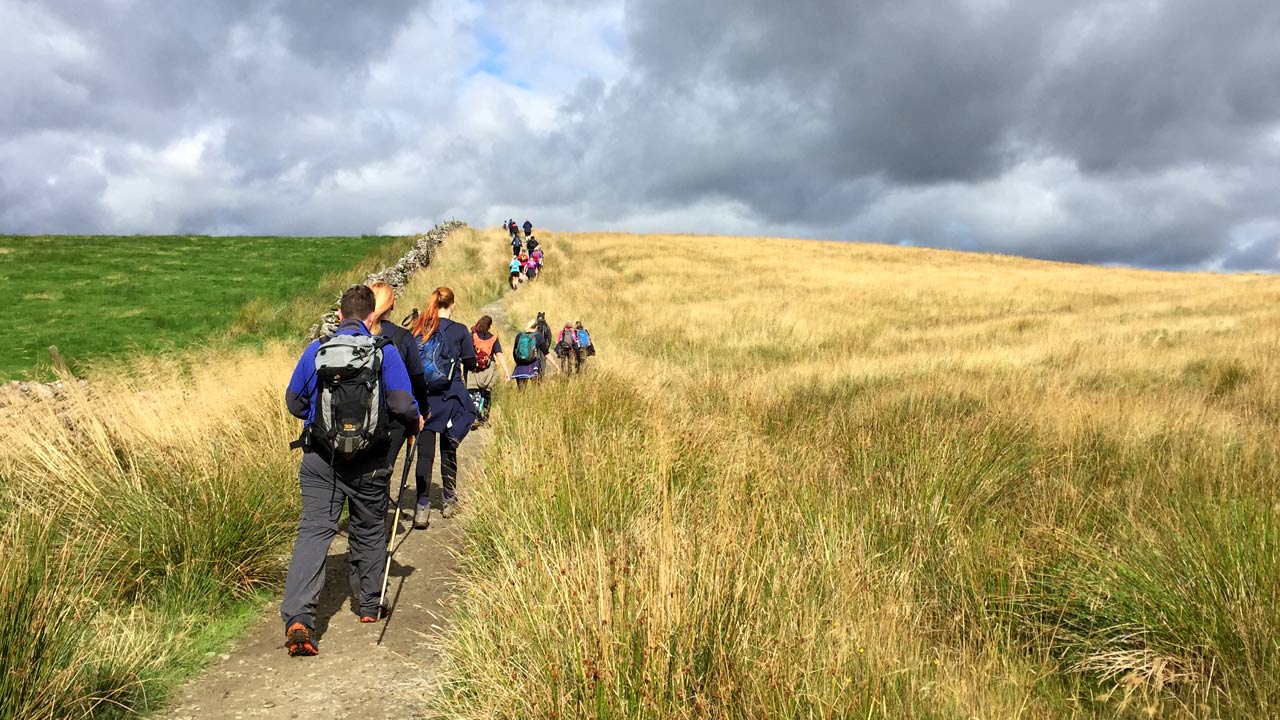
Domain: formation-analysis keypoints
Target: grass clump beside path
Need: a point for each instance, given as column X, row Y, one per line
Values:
column 100, row 298
column 146, row 517
column 835, row 480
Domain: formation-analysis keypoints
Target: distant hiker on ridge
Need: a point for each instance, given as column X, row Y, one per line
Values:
column 525, row 262
column 528, row 228
column 514, row 267
column 344, row 442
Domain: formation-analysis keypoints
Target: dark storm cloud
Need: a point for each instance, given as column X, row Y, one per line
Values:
column 111, row 91
column 1157, row 122
column 1139, row 131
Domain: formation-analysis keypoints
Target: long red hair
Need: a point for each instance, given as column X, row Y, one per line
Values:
column 429, row 319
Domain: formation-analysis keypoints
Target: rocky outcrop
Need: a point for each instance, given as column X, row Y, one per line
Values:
column 398, row 275
column 17, row 389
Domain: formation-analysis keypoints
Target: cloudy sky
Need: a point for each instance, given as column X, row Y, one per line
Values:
column 1142, row 132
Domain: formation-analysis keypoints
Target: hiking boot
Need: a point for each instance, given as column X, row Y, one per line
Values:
column 298, row 637
column 448, row 509
column 422, row 517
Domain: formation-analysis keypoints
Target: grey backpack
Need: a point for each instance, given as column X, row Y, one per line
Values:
column 351, row 413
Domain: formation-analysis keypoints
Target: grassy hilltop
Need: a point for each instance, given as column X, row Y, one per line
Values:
column 812, row 479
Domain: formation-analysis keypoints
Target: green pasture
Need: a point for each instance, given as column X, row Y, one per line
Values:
column 100, row 297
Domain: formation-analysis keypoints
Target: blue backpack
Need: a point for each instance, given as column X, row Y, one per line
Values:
column 584, row 340
column 439, row 362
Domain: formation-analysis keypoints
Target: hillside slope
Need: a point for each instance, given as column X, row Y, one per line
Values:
column 104, row 298
column 809, row 479
column 148, row 515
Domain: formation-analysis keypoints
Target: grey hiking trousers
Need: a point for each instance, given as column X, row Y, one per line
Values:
column 362, row 485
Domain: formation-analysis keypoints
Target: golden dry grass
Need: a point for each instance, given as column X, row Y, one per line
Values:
column 139, row 509
column 813, row 479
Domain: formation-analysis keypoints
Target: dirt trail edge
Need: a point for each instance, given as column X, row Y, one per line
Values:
column 354, row 675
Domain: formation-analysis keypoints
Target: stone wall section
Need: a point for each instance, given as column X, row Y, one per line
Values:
column 398, row 275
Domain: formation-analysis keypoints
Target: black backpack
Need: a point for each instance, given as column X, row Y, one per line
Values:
column 351, row 416
column 544, row 334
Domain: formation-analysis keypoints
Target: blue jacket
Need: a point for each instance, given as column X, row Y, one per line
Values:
column 301, row 395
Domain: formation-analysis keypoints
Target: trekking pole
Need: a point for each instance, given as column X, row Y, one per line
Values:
column 395, row 524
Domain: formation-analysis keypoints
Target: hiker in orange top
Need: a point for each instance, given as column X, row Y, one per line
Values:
column 523, row 257
column 488, row 350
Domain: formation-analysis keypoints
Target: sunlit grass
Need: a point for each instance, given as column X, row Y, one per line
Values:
column 147, row 516
column 830, row 480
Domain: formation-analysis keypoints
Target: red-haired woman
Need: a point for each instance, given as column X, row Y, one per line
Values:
column 446, row 350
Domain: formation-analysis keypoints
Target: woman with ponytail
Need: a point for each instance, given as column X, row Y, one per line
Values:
column 446, row 351
column 385, row 302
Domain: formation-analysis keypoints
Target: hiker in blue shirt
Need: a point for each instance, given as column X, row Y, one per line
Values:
column 514, row 267
column 344, row 464
column 446, row 350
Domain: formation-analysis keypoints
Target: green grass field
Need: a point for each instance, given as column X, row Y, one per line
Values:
column 103, row 297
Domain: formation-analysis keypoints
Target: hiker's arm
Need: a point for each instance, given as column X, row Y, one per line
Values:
column 468, row 355
column 419, row 384
column 297, row 397
column 400, row 400
column 502, row 362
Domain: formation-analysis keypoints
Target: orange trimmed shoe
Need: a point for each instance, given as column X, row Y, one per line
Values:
column 377, row 615
column 299, row 638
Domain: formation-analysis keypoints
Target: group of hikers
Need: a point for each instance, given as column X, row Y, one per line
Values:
column 366, row 391
column 526, row 255
column 534, row 350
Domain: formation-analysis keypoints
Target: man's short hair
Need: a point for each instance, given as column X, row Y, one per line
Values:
column 357, row 302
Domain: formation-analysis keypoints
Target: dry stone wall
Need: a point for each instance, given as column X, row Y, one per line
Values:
column 398, row 275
